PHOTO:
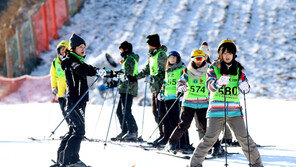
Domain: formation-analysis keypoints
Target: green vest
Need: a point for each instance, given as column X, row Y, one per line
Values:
column 231, row 89
column 196, row 88
column 135, row 67
column 59, row 71
column 153, row 63
column 171, row 80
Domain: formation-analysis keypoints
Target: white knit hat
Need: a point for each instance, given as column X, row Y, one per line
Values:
column 204, row 47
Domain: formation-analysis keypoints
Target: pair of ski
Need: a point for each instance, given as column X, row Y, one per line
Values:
column 186, row 156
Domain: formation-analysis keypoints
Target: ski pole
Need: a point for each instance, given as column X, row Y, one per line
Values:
column 247, row 128
column 105, row 143
column 125, row 103
column 100, row 114
column 145, row 94
column 165, row 115
column 225, row 124
column 76, row 104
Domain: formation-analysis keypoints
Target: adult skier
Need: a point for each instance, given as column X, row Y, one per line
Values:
column 127, row 89
column 225, row 81
column 155, row 69
column 76, row 71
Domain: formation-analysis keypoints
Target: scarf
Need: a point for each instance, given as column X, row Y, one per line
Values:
column 78, row 57
column 199, row 72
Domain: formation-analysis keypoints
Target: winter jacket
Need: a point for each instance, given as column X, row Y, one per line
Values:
column 57, row 77
column 172, row 75
column 216, row 108
column 75, row 73
column 197, row 76
column 129, row 67
column 159, row 77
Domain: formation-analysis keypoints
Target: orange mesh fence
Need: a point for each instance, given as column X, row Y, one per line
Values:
column 38, row 28
column 25, row 89
column 60, row 12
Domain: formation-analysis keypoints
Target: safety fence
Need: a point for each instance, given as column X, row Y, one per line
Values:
column 25, row 89
column 32, row 38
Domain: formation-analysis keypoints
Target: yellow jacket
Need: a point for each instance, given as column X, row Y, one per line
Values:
column 57, row 82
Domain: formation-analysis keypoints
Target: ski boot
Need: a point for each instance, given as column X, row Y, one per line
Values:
column 162, row 141
column 118, row 137
column 170, row 148
column 257, row 165
column 130, row 136
column 218, row 150
column 155, row 141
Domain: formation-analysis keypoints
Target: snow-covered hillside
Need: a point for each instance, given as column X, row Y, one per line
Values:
column 264, row 31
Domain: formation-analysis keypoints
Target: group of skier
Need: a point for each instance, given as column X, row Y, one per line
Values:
column 208, row 92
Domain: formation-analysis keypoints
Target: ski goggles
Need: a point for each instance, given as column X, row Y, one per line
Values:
column 198, row 58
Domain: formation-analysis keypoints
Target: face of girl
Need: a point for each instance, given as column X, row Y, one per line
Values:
column 199, row 63
column 80, row 50
column 172, row 59
column 62, row 51
column 227, row 56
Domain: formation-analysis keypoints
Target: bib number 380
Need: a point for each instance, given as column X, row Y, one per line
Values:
column 228, row 91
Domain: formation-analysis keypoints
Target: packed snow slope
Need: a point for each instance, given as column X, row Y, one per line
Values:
column 271, row 122
column 264, row 31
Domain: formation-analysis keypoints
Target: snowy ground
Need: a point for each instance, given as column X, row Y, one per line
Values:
column 271, row 122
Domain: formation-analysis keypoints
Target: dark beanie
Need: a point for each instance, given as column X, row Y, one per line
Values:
column 126, row 45
column 75, row 41
column 153, row 40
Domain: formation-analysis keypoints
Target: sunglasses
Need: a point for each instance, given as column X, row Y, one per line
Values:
column 198, row 58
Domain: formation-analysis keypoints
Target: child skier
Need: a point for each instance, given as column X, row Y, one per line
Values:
column 57, row 76
column 195, row 100
column 173, row 73
column 225, row 79
column 155, row 68
column 127, row 89
column 76, row 71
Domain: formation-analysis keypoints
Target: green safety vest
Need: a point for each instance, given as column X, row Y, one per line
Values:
column 135, row 67
column 171, row 80
column 231, row 89
column 153, row 63
column 196, row 88
column 59, row 71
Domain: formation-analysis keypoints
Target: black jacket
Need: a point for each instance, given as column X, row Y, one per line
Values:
column 75, row 73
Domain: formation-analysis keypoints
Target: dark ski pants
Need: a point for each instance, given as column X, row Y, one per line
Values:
column 128, row 123
column 68, row 152
column 158, row 110
column 173, row 118
column 187, row 115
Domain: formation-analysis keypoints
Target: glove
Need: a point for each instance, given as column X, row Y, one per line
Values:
column 182, row 89
column 100, row 72
column 151, row 79
column 132, row 78
column 112, row 84
column 244, row 87
column 224, row 80
column 119, row 72
column 54, row 91
column 160, row 97
column 180, row 95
